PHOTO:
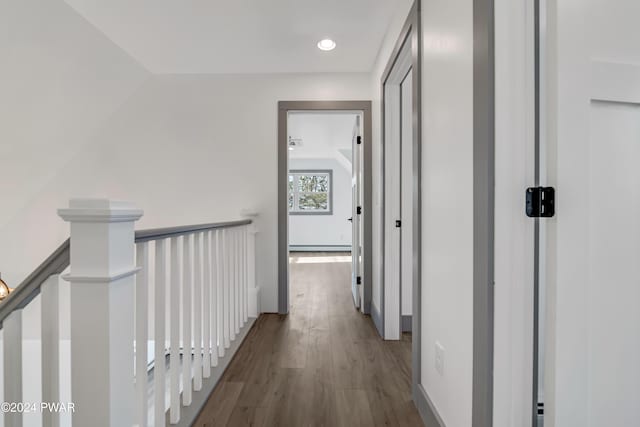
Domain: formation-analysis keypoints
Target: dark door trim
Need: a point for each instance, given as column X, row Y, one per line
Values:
column 283, row 166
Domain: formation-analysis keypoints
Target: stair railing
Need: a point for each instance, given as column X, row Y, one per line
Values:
column 151, row 321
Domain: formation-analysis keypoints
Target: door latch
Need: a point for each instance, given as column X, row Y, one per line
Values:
column 359, row 210
column 540, row 202
column 398, row 223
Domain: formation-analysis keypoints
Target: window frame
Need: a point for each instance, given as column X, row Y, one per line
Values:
column 329, row 173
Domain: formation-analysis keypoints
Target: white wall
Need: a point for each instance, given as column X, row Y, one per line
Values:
column 60, row 80
column 186, row 149
column 447, row 210
column 324, row 230
column 447, row 206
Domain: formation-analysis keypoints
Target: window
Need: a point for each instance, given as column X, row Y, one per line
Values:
column 310, row 192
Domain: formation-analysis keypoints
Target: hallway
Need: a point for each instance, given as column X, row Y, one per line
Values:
column 323, row 364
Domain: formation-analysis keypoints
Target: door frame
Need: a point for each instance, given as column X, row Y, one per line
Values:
column 411, row 32
column 284, row 107
column 519, row 104
column 389, row 320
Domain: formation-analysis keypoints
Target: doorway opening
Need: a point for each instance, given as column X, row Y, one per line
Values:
column 324, row 192
column 324, row 184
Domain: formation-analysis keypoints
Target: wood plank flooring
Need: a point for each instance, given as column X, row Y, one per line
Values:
column 322, row 365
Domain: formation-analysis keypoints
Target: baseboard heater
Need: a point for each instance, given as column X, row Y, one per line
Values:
column 320, row 248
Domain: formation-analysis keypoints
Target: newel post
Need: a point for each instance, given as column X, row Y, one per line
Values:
column 102, row 286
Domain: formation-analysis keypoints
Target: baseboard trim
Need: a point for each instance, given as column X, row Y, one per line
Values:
column 188, row 414
column 377, row 320
column 406, row 322
column 426, row 408
column 320, row 248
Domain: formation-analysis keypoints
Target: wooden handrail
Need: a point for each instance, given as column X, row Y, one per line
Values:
column 162, row 233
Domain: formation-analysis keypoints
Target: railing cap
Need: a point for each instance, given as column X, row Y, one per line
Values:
column 99, row 210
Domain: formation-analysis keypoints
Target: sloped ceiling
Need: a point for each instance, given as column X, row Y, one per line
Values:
column 323, row 134
column 243, row 36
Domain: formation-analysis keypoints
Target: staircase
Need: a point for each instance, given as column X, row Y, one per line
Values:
column 121, row 327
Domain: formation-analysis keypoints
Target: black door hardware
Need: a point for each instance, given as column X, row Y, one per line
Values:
column 540, row 202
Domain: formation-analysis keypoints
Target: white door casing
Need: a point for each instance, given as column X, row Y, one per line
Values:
column 514, row 231
column 392, row 213
column 406, row 196
column 356, row 201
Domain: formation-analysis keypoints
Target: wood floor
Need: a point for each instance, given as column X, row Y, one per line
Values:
column 322, row 365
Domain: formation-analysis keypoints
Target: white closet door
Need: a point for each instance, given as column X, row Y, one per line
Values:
column 593, row 243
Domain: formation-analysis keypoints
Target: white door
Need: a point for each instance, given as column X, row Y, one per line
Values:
column 593, row 244
column 397, row 122
column 392, row 213
column 406, row 201
column 356, row 214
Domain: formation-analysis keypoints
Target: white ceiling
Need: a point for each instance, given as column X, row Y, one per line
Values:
column 243, row 36
column 324, row 134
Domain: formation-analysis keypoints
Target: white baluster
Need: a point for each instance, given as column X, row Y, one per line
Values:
column 245, row 283
column 174, row 355
column 159, row 382
column 206, row 302
column 12, row 328
column 187, row 340
column 236, row 264
column 244, row 275
column 220, row 291
column 50, row 323
column 213, row 298
column 197, row 312
column 247, row 268
column 234, row 274
column 238, row 282
column 226, row 296
column 142, row 333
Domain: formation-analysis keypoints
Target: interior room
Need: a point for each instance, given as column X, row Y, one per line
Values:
column 320, row 161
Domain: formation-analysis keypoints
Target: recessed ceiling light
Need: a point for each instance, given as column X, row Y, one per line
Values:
column 326, row 44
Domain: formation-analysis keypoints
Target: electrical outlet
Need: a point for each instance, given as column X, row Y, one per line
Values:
column 439, row 358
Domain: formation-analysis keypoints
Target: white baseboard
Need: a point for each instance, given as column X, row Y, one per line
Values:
column 377, row 320
column 320, row 248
